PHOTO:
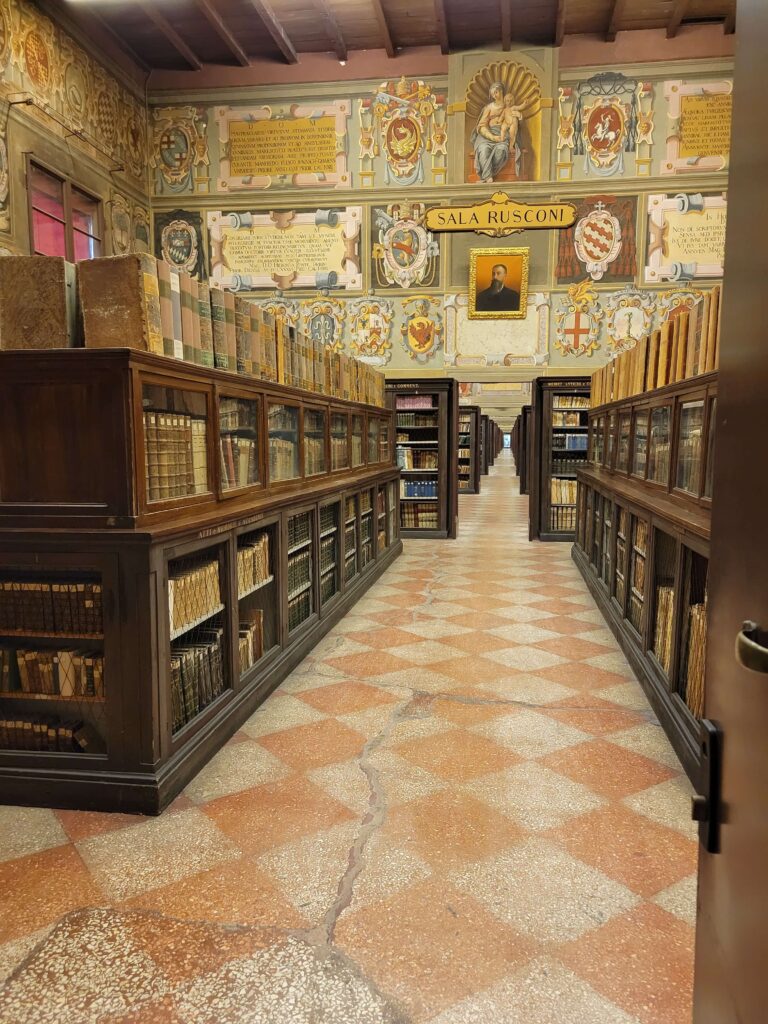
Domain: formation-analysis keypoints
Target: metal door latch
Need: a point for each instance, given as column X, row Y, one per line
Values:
column 705, row 805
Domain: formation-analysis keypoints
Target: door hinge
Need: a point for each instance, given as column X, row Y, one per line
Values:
column 706, row 805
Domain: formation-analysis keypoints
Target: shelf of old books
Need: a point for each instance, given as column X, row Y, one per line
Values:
column 358, row 432
column 284, row 446
column 239, row 421
column 52, row 675
column 315, row 424
column 330, row 551
column 339, row 441
column 645, row 500
column 426, row 445
column 559, row 447
column 366, row 527
column 468, row 452
column 301, row 574
column 351, row 531
column 176, row 437
column 257, row 604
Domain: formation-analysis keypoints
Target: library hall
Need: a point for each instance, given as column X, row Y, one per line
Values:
column 382, row 619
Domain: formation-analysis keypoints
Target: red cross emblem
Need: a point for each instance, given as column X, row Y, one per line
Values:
column 576, row 331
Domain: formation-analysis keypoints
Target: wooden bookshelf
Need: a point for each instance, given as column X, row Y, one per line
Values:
column 642, row 542
column 525, row 449
column 205, row 595
column 426, row 440
column 559, row 432
column 468, row 451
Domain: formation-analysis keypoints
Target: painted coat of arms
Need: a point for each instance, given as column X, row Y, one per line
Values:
column 630, row 317
column 405, row 253
column 179, row 241
column 423, row 330
column 323, row 320
column 577, row 321
column 371, row 322
column 602, row 243
column 605, row 121
column 179, row 144
column 404, row 123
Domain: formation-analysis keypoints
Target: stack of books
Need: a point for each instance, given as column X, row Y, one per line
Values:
column 253, row 564
column 193, row 595
column 197, row 675
column 49, row 734
column 46, row 607
column 177, row 455
column 56, row 673
column 251, row 639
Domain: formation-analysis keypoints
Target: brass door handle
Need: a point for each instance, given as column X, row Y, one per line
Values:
column 752, row 647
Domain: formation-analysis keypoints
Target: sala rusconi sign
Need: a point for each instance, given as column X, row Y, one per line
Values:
column 500, row 215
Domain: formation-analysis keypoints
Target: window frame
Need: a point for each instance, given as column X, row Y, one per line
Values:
column 69, row 185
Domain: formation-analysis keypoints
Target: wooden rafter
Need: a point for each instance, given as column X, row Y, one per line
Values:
column 560, row 23
column 216, row 22
column 617, row 12
column 386, row 35
column 332, row 29
column 170, row 33
column 676, row 17
column 442, row 27
column 276, row 30
column 506, row 24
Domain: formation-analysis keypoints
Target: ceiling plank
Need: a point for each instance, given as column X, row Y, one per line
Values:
column 560, row 23
column 729, row 24
column 506, row 24
column 442, row 27
column 617, row 13
column 386, row 35
column 332, row 29
column 676, row 17
column 216, row 22
column 170, row 34
column 276, row 30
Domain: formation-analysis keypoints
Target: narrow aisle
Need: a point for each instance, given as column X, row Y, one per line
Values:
column 458, row 810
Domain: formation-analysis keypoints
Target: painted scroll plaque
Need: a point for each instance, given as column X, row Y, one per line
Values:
column 686, row 236
column 699, row 138
column 286, row 249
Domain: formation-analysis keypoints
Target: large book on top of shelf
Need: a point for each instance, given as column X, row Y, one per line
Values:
column 558, row 447
column 174, row 539
column 468, row 451
column 426, row 441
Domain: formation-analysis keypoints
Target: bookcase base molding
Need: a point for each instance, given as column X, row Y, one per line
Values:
column 150, row 789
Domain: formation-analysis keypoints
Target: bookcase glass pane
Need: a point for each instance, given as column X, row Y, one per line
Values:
column 373, row 440
column 314, row 442
column 597, row 530
column 622, row 451
column 175, row 442
column 350, row 537
column 694, row 632
column 53, row 685
column 339, row 441
column 381, row 518
column 605, row 571
column 690, row 447
column 199, row 656
column 384, row 455
column 638, row 556
column 640, row 444
column 257, row 600
column 238, row 442
column 622, row 542
column 710, row 449
column 611, row 439
column 599, row 441
column 664, row 567
column 659, row 445
column 366, row 527
column 301, row 601
column 330, row 542
column 283, row 442
column 357, row 441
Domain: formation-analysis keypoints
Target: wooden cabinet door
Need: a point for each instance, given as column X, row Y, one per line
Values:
column 731, row 983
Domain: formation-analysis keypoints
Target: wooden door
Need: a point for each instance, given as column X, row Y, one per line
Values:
column 731, row 983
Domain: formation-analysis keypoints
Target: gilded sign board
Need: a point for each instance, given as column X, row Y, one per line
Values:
column 500, row 215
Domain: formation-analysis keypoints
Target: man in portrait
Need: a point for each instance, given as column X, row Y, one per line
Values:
column 497, row 297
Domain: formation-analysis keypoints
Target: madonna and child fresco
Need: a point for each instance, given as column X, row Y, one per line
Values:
column 495, row 137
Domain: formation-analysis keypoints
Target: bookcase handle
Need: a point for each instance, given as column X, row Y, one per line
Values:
column 752, row 647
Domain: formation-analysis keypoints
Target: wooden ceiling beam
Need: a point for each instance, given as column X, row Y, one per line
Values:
column 332, row 29
column 442, row 27
column 617, row 13
column 276, row 30
column 675, row 18
column 506, row 24
column 560, row 23
column 386, row 34
column 216, row 22
column 170, row 33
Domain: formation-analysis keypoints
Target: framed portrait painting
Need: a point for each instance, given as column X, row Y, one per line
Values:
column 498, row 284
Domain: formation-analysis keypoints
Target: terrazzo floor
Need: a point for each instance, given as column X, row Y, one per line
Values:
column 458, row 810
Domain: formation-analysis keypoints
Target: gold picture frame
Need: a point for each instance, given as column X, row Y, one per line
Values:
column 486, row 303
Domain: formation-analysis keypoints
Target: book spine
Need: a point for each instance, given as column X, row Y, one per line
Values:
column 166, row 305
column 206, row 326
column 197, row 348
column 219, row 329
column 187, row 318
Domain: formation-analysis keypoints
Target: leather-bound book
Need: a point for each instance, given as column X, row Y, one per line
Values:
column 120, row 302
